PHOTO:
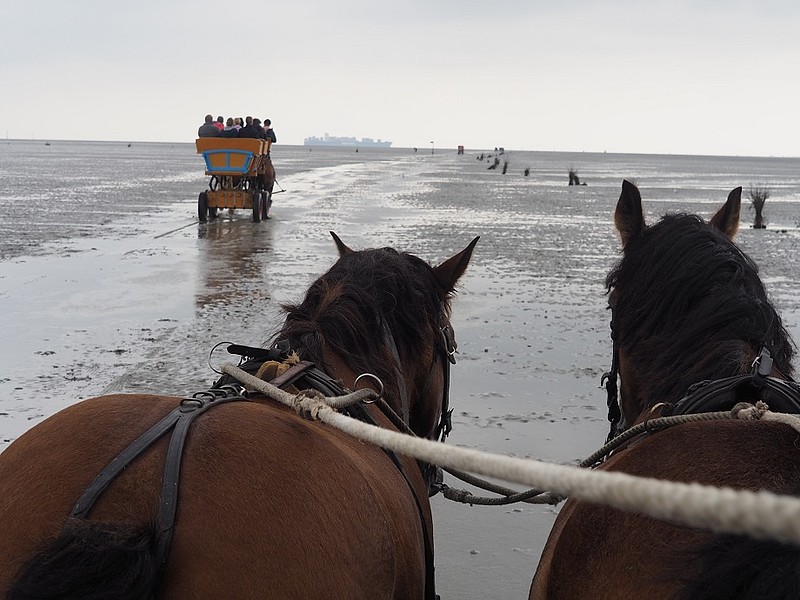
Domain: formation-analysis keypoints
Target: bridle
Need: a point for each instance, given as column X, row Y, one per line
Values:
column 445, row 425
column 609, row 382
column 447, row 357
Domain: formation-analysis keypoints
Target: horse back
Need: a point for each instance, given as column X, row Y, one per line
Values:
column 589, row 543
column 270, row 505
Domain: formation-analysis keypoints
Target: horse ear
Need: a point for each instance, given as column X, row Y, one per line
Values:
column 727, row 217
column 449, row 272
column 629, row 217
column 340, row 245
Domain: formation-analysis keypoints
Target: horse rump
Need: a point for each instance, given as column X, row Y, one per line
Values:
column 734, row 567
column 91, row 560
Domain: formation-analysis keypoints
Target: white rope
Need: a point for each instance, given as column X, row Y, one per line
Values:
column 792, row 421
column 762, row 514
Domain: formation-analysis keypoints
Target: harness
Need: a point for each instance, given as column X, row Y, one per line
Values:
column 178, row 421
column 781, row 395
column 226, row 390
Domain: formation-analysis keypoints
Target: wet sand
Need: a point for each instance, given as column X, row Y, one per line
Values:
column 137, row 305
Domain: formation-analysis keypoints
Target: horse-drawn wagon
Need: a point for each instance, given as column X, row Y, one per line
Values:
column 241, row 176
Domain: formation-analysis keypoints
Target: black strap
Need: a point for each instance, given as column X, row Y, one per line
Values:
column 121, row 461
column 781, row 395
column 723, row 394
column 609, row 381
column 190, row 409
column 178, row 420
column 320, row 381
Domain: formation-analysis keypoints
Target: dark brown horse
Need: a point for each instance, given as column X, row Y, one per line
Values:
column 268, row 504
column 687, row 307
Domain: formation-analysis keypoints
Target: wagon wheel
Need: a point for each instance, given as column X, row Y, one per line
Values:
column 266, row 202
column 256, row 207
column 202, row 207
column 212, row 212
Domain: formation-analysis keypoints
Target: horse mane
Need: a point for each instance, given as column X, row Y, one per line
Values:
column 690, row 306
column 347, row 311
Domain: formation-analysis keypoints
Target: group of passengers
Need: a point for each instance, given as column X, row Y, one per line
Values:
column 237, row 128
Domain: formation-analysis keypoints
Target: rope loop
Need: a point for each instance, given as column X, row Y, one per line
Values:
column 309, row 403
column 457, row 495
column 748, row 412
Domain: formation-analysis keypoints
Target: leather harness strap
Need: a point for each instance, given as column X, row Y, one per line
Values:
column 722, row 394
column 178, row 420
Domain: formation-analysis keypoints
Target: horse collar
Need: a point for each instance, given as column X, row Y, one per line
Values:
column 722, row 394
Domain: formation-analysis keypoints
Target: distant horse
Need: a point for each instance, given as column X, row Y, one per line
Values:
column 268, row 504
column 265, row 181
column 693, row 331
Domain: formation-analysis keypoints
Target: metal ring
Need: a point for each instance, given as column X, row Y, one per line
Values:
column 374, row 378
column 210, row 352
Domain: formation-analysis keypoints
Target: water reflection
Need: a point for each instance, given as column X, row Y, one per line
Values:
column 233, row 253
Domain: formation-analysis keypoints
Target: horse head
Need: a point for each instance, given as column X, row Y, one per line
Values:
column 687, row 305
column 385, row 313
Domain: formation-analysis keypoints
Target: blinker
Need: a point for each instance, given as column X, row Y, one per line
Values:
column 763, row 363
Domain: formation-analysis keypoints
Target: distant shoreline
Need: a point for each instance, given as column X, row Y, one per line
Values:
column 442, row 149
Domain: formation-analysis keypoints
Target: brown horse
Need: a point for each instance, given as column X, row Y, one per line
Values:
column 687, row 307
column 268, row 504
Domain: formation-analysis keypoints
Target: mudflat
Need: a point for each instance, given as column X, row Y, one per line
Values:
column 109, row 284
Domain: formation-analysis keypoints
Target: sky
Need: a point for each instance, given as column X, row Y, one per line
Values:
column 654, row 76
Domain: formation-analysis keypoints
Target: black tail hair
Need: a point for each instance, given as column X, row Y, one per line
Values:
column 92, row 561
column 740, row 568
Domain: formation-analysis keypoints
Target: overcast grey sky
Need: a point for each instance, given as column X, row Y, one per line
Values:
column 658, row 76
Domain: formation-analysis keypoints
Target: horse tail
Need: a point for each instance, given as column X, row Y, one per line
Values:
column 92, row 560
column 739, row 567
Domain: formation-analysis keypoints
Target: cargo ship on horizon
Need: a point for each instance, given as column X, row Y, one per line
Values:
column 333, row 140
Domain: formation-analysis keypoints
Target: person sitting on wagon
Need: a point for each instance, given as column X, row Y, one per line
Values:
column 220, row 123
column 260, row 133
column 269, row 131
column 208, row 129
column 249, row 130
column 230, row 130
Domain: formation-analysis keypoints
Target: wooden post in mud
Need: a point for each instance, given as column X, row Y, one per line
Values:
column 573, row 177
column 758, row 196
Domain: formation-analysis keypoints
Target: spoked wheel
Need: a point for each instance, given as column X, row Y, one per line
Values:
column 266, row 202
column 256, row 207
column 212, row 212
column 202, row 207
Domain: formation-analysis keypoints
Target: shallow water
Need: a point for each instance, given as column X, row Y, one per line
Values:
column 109, row 284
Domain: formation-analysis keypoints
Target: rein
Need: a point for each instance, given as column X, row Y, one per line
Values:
column 707, row 400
